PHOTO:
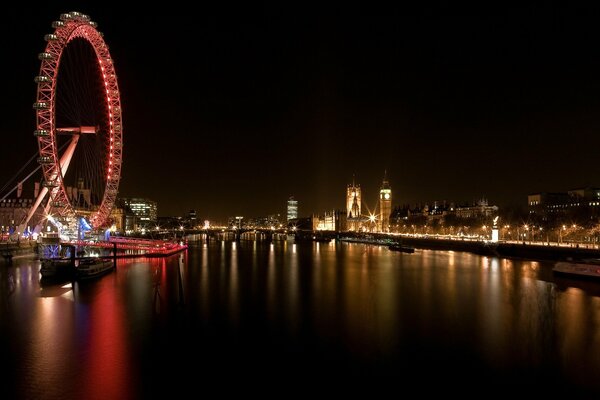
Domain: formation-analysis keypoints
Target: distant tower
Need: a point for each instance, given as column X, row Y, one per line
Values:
column 385, row 205
column 353, row 200
column 292, row 209
column 353, row 206
column 192, row 216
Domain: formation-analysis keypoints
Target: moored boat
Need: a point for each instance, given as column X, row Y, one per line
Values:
column 584, row 268
column 401, row 247
column 56, row 267
column 91, row 267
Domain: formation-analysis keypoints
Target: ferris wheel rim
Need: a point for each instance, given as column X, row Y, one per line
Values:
column 71, row 26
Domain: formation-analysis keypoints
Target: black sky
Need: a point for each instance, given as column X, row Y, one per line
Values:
column 231, row 115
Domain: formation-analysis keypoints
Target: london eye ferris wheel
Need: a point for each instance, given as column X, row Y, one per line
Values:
column 79, row 128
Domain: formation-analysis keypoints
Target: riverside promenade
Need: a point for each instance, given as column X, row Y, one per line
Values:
column 509, row 249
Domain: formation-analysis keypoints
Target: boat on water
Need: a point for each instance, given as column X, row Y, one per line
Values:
column 401, row 247
column 367, row 240
column 58, row 267
column 91, row 267
column 585, row 268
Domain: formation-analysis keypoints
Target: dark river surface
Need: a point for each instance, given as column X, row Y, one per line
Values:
column 283, row 319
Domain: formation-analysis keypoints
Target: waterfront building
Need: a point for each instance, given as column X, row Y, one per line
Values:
column 168, row 223
column 122, row 217
column 118, row 218
column 13, row 212
column 385, row 205
column 480, row 210
column 330, row 221
column 192, row 216
column 292, row 209
column 576, row 205
column 442, row 217
column 145, row 210
column 272, row 221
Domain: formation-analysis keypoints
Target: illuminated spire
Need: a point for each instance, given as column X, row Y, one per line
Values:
column 385, row 184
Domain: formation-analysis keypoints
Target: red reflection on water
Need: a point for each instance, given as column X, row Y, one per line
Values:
column 106, row 372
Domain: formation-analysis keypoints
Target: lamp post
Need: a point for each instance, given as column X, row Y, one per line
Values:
column 372, row 219
column 506, row 231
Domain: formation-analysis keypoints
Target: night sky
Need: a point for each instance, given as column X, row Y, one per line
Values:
column 232, row 115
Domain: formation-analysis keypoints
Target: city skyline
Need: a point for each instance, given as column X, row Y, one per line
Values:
column 246, row 113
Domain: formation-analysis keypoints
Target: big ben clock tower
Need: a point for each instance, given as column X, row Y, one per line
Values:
column 385, row 205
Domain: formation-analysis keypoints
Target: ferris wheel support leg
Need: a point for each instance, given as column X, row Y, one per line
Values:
column 33, row 208
column 65, row 160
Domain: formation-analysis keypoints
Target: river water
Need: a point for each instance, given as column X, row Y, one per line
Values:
column 283, row 319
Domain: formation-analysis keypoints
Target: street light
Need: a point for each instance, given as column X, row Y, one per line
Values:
column 372, row 219
column 505, row 231
column 560, row 233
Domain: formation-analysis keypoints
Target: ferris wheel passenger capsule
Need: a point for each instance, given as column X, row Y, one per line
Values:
column 42, row 78
column 41, row 133
column 45, row 56
column 58, row 24
column 40, row 105
column 49, row 184
column 50, row 37
column 45, row 160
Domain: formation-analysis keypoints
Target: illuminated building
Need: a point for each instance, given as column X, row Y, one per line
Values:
column 14, row 210
column 145, row 211
column 353, row 207
column 292, row 209
column 481, row 210
column 385, row 205
column 118, row 218
column 575, row 205
column 330, row 221
column 192, row 219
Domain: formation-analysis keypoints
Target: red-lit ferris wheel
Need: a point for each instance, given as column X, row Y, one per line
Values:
column 78, row 122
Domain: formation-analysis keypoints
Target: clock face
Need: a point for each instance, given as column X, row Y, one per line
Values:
column 387, row 196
